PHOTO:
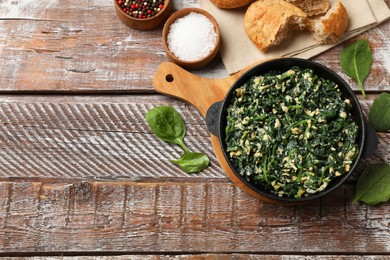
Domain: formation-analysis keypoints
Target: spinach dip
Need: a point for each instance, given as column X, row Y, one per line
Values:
column 291, row 133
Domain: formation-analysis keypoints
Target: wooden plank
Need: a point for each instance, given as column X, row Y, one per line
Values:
column 22, row 206
column 93, row 139
column 213, row 257
column 204, row 216
column 103, row 138
column 67, row 46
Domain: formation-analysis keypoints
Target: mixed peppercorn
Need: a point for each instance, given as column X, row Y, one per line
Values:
column 141, row 9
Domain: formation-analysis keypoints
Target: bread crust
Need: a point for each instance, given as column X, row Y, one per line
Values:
column 329, row 28
column 312, row 7
column 269, row 22
column 230, row 4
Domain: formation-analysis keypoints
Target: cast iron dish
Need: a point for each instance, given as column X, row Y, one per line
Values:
column 367, row 140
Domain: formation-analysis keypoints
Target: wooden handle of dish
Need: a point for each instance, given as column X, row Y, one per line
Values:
column 172, row 80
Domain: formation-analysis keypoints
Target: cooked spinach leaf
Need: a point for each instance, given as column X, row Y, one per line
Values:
column 356, row 61
column 291, row 132
column 167, row 124
column 192, row 162
column 379, row 115
column 373, row 186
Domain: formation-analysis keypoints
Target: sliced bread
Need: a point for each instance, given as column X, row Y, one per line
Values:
column 312, row 7
column 330, row 27
column 269, row 22
column 229, row 4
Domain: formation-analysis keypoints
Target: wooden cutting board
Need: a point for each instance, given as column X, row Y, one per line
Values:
column 200, row 92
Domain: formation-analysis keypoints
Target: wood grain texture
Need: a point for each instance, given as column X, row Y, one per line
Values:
column 67, row 46
column 103, row 138
column 214, row 257
column 218, row 257
column 82, row 175
column 178, row 216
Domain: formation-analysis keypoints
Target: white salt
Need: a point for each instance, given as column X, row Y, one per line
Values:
column 192, row 37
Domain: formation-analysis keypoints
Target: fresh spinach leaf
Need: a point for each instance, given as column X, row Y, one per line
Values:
column 379, row 115
column 373, row 186
column 167, row 124
column 356, row 61
column 192, row 162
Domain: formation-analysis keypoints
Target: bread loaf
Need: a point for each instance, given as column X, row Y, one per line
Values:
column 269, row 22
column 229, row 4
column 330, row 27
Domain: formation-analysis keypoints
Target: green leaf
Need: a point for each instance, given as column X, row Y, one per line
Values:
column 373, row 186
column 379, row 115
column 167, row 124
column 192, row 162
column 356, row 61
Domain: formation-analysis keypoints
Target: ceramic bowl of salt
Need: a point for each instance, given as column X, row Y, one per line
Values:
column 191, row 38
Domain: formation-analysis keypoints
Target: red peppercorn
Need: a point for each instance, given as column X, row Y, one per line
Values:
column 160, row 6
column 120, row 2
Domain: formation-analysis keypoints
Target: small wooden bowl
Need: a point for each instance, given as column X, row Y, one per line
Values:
column 190, row 64
column 146, row 23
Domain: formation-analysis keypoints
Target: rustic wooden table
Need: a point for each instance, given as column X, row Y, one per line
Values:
column 82, row 175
